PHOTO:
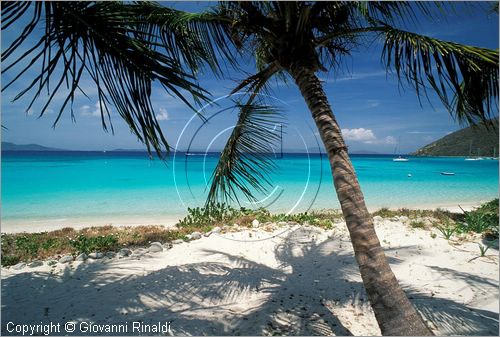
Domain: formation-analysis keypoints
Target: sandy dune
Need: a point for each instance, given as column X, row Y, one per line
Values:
column 296, row 280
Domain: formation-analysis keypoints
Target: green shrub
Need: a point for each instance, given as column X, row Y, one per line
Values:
column 29, row 243
column 9, row 260
column 482, row 220
column 85, row 244
column 208, row 215
column 447, row 231
column 417, row 224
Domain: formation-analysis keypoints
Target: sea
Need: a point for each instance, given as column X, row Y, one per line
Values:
column 68, row 187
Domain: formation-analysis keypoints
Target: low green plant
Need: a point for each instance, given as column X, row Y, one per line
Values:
column 417, row 224
column 208, row 215
column 88, row 244
column 483, row 249
column 221, row 214
column 447, row 231
column 384, row 212
column 439, row 214
column 29, row 243
column 482, row 220
column 9, row 260
column 433, row 235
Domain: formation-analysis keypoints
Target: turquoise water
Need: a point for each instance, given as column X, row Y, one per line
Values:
column 72, row 185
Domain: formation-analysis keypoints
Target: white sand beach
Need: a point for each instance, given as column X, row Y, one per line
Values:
column 297, row 280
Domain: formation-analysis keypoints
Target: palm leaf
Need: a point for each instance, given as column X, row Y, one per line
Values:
column 393, row 11
column 258, row 82
column 118, row 48
column 464, row 77
column 193, row 37
column 247, row 159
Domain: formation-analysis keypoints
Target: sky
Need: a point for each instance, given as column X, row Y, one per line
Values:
column 375, row 113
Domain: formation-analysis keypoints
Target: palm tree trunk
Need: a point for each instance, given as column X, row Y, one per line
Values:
column 394, row 312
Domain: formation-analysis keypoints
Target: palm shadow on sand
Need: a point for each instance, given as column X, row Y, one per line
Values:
column 298, row 298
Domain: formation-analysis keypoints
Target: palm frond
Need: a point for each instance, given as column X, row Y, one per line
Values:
column 247, row 158
column 464, row 77
column 205, row 33
column 393, row 11
column 494, row 8
column 115, row 45
column 258, row 82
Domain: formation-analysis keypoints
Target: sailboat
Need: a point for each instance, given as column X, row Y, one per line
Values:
column 470, row 158
column 399, row 158
column 478, row 157
column 494, row 154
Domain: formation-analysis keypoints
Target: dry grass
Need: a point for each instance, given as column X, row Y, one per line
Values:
column 34, row 246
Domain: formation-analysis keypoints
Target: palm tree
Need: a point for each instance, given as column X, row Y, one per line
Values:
column 125, row 47
column 299, row 39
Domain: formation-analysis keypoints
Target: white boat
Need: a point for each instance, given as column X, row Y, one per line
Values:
column 396, row 150
column 470, row 158
column 448, row 173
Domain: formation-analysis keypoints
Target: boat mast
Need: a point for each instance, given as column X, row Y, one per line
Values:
column 396, row 148
column 281, row 139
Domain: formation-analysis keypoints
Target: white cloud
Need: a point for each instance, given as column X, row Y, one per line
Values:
column 163, row 115
column 32, row 112
column 360, row 134
column 428, row 138
column 359, row 76
column 86, row 110
column 426, row 132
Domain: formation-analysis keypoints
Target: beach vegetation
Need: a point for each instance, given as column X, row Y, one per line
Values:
column 209, row 215
column 219, row 214
column 89, row 244
column 447, row 231
column 483, row 249
column 37, row 246
column 482, row 220
column 26, row 247
column 417, row 224
column 146, row 42
column 9, row 260
column 438, row 214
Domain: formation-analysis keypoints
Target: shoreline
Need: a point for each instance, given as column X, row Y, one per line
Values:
column 42, row 225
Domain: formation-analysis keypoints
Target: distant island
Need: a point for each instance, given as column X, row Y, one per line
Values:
column 471, row 141
column 6, row 146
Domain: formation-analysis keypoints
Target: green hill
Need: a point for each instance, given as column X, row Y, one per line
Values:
column 479, row 140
